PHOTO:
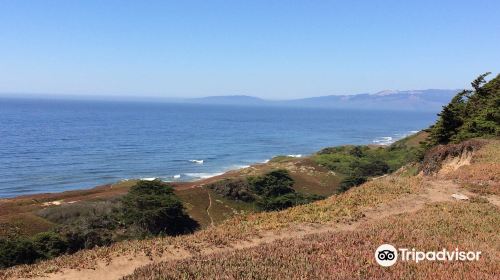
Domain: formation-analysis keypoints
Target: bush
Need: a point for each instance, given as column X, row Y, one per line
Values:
column 236, row 189
column 271, row 191
column 358, row 163
column 276, row 193
column 69, row 213
column 371, row 168
column 286, row 201
column 148, row 208
column 274, row 183
column 89, row 232
column 153, row 208
column 20, row 250
column 351, row 181
column 17, row 251
column 50, row 244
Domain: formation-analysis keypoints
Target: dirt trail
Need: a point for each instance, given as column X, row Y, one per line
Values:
column 208, row 208
column 435, row 191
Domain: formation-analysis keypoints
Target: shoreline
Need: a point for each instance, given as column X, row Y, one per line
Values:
column 178, row 185
column 122, row 186
column 382, row 141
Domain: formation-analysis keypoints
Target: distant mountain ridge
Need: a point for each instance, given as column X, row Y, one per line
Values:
column 417, row 100
column 428, row 100
column 230, row 100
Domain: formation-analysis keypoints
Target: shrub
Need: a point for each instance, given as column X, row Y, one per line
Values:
column 153, row 208
column 358, row 163
column 286, row 201
column 69, row 213
column 276, row 193
column 17, row 251
column 50, row 244
column 274, row 183
column 237, row 189
column 351, row 181
column 89, row 232
column 271, row 191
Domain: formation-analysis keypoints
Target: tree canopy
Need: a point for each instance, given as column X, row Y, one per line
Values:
column 471, row 113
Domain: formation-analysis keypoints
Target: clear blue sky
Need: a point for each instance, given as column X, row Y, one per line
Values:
column 273, row 49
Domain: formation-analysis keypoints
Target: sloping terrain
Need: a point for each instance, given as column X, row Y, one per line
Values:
column 349, row 254
column 21, row 215
column 331, row 238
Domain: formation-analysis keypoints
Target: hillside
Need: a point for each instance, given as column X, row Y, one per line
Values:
column 427, row 100
column 258, row 222
column 362, row 218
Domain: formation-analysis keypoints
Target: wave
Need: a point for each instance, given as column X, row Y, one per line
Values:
column 197, row 161
column 384, row 140
column 148, row 179
column 387, row 140
column 239, row 167
column 203, row 175
column 295, row 156
column 177, row 176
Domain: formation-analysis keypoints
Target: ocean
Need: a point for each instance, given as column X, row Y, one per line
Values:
column 55, row 145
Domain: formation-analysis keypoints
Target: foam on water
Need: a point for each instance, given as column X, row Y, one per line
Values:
column 203, row 175
column 43, row 148
column 148, row 179
column 388, row 140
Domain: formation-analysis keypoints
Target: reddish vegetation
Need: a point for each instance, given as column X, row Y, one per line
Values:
column 347, row 227
column 349, row 255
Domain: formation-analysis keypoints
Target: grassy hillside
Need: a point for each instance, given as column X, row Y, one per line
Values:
column 244, row 236
column 349, row 255
column 358, row 221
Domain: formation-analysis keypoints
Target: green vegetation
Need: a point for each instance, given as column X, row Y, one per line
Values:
column 153, row 208
column 276, row 193
column 23, row 250
column 237, row 189
column 150, row 208
column 271, row 191
column 272, row 184
column 358, row 163
column 50, row 244
column 17, row 251
column 470, row 114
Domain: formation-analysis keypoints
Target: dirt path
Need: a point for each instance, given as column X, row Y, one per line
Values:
column 209, row 206
column 435, row 191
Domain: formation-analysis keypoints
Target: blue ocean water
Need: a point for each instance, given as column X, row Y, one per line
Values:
column 53, row 146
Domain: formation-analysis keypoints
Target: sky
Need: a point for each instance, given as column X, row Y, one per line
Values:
column 269, row 49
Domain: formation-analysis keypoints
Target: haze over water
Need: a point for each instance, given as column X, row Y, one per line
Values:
column 53, row 146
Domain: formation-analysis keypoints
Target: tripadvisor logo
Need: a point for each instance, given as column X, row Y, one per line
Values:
column 387, row 255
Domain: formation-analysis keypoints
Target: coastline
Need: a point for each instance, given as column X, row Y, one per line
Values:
column 20, row 215
column 76, row 164
column 107, row 191
column 121, row 187
column 118, row 188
